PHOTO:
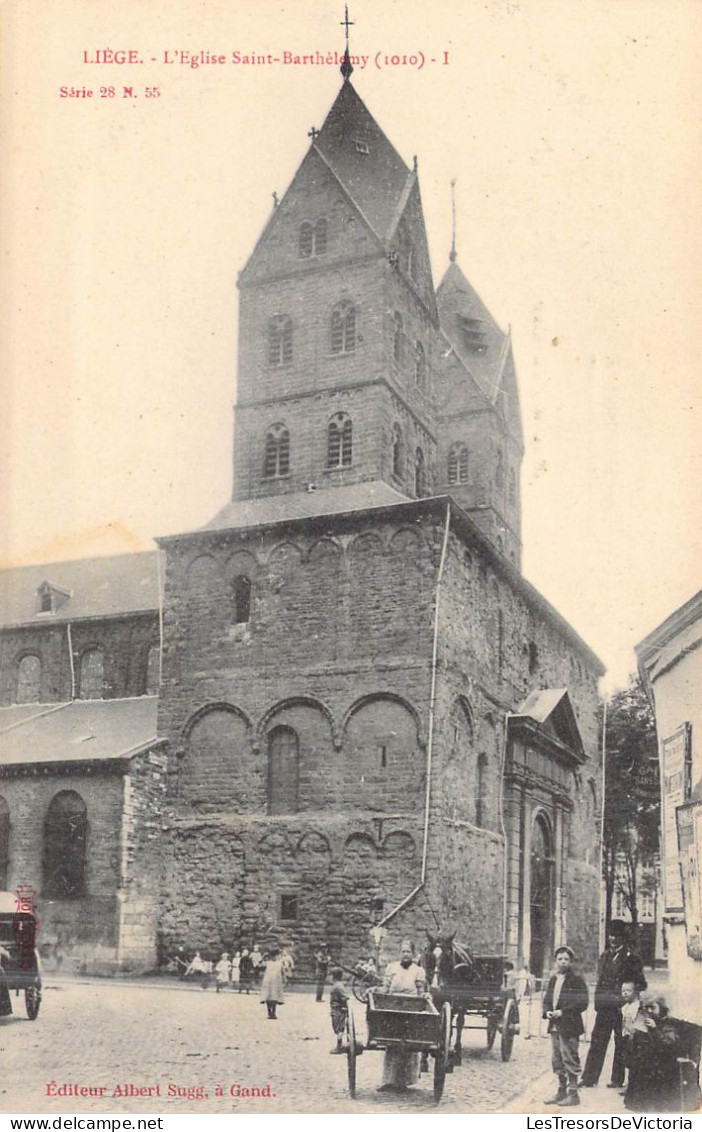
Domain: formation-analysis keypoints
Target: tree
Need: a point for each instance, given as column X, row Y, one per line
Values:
column 632, row 799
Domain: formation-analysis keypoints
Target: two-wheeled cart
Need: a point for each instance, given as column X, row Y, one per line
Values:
column 407, row 1022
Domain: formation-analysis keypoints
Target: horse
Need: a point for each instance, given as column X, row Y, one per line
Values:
column 451, row 973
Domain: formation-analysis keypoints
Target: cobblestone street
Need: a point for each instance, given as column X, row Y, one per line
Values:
column 107, row 1034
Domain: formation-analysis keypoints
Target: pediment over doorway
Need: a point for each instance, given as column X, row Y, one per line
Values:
column 551, row 710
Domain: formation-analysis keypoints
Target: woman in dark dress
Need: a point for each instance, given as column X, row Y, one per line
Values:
column 654, row 1074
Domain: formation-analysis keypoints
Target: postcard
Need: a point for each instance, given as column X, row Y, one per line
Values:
column 349, row 449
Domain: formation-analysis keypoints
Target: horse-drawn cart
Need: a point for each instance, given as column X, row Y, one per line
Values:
column 486, row 997
column 406, row 1022
column 20, row 968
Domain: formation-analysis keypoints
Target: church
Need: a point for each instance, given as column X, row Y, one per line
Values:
column 337, row 712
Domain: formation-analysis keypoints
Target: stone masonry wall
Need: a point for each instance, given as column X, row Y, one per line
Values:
column 77, row 934
column 125, row 642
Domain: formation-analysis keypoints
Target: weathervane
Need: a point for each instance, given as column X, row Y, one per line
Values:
column 346, row 23
column 452, row 255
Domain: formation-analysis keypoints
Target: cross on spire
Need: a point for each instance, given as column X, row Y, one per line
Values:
column 347, row 23
column 452, row 255
column 346, row 68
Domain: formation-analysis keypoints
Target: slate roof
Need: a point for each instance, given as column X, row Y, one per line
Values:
column 304, row 505
column 98, row 587
column 82, row 731
column 377, row 181
column 458, row 300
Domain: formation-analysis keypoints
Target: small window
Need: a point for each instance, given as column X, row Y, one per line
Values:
column 420, row 475
column 153, row 671
column 283, row 771
column 377, row 907
column 280, row 341
column 340, row 442
column 306, row 240
column 320, row 237
column 343, row 328
column 289, row 906
column 383, row 756
column 512, row 487
column 276, row 452
column 499, row 471
column 397, row 451
column 361, row 146
column 458, row 464
column 242, row 599
column 46, row 603
column 313, row 238
column 420, row 366
column 397, row 338
column 533, row 659
column 28, row 681
column 481, row 791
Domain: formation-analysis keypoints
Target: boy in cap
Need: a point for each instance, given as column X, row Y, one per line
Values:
column 564, row 1002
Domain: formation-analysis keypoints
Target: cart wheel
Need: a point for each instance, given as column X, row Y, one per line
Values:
column 359, row 988
column 32, row 1001
column 351, row 1053
column 509, row 1021
column 441, row 1056
column 491, row 1031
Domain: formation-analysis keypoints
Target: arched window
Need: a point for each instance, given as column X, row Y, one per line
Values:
column 340, row 442
column 153, row 671
column 91, row 675
column 343, row 328
column 4, row 842
column 420, row 476
column 280, row 340
column 28, row 682
column 283, row 771
column 481, row 790
column 397, row 337
column 276, row 452
column 397, row 451
column 313, row 238
column 458, row 463
column 420, row 366
column 242, row 599
column 65, row 838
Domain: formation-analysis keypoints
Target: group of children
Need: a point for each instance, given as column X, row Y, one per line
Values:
column 240, row 971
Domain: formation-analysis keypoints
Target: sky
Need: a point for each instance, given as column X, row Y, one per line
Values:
column 572, row 131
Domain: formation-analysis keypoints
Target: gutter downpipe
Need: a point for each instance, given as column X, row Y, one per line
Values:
column 430, row 731
column 505, row 871
column 603, row 914
column 71, row 662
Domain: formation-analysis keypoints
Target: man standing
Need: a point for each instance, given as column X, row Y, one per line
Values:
column 564, row 1002
column 322, row 959
column 618, row 964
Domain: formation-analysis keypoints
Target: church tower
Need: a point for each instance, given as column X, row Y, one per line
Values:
column 339, row 326
column 481, row 443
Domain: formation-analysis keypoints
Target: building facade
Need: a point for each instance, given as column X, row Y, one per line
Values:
column 368, row 722
column 670, row 662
